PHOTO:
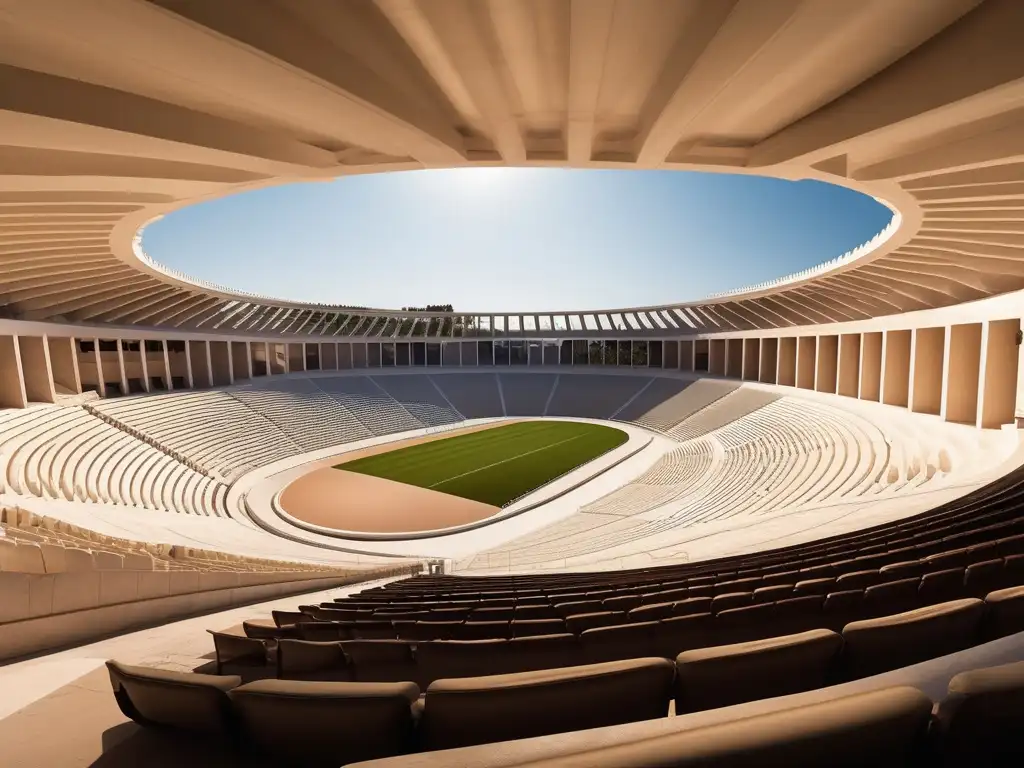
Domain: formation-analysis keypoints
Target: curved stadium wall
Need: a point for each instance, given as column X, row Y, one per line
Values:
column 924, row 317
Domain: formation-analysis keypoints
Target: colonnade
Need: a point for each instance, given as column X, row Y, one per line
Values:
column 964, row 372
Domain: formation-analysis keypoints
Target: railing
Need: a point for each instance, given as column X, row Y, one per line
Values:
column 850, row 256
column 155, row 265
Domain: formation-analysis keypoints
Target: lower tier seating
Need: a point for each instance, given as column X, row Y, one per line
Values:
column 306, row 645
column 317, row 723
column 493, row 653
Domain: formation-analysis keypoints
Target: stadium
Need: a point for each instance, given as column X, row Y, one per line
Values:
column 779, row 526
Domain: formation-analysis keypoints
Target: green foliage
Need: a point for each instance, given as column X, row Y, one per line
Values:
column 639, row 353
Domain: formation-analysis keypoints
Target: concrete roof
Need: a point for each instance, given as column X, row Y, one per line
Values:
column 114, row 112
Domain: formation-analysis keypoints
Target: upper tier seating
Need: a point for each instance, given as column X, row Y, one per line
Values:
column 226, row 433
column 70, row 454
column 788, row 455
column 217, row 432
column 373, row 406
column 527, row 395
column 593, row 396
column 304, row 412
column 180, row 451
column 475, row 396
column 668, row 402
column 420, row 398
column 721, row 412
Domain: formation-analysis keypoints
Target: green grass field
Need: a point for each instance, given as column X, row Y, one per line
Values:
column 495, row 465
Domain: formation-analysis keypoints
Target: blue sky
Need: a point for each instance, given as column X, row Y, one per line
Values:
column 514, row 238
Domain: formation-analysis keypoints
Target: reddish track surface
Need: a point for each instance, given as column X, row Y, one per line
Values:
column 349, row 501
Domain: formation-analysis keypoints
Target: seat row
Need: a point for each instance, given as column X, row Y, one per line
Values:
column 988, row 516
column 48, row 545
column 826, row 602
column 69, row 454
column 788, row 454
column 865, row 585
column 309, row 723
column 975, row 570
column 228, row 432
column 872, row 645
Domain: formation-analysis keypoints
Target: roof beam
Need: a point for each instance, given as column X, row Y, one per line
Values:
column 464, row 29
column 927, row 80
column 722, row 36
column 590, row 24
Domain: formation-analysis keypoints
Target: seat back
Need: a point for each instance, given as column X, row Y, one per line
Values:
column 328, row 724
column 578, row 623
column 733, row 674
column 429, row 630
column 879, row 645
column 375, row 629
column 289, row 618
column 682, row 633
column 891, row 597
column 983, row 577
column 903, row 570
column 621, row 603
column 183, row 700
column 749, row 622
column 798, row 614
column 323, row 631
column 501, row 707
column 842, row 607
column 773, row 593
column 321, row 613
column 237, row 650
column 576, row 607
column 526, row 654
column 981, row 719
column 1004, row 613
column 527, row 612
column 439, row 659
column 481, row 630
column 625, row 641
column 817, row 586
column 653, row 611
column 448, row 614
column 727, row 600
column 492, row 614
column 536, row 627
column 304, row 660
column 857, row 580
column 941, row 586
column 884, row 729
column 380, row 661
column 258, row 630
column 691, row 605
